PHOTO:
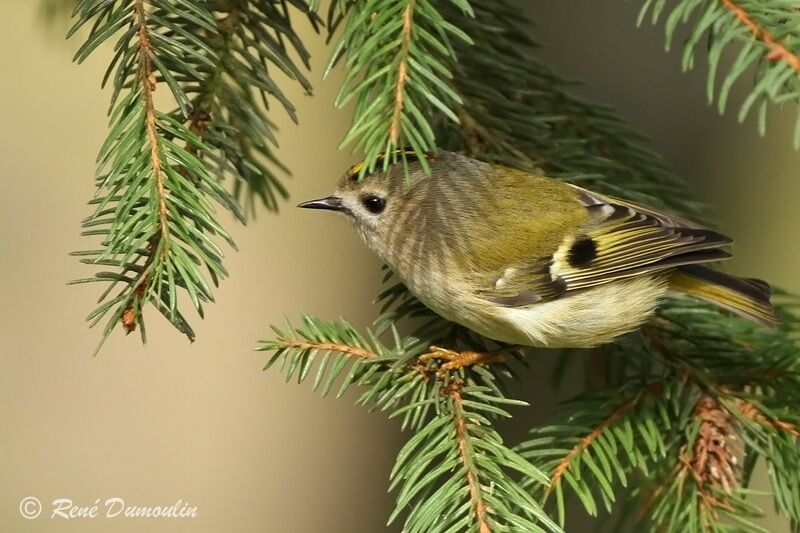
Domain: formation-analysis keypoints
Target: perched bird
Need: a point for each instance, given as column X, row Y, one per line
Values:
column 526, row 259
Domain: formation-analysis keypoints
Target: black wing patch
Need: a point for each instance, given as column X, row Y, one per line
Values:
column 582, row 252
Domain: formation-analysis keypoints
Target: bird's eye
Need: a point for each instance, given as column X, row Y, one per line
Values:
column 373, row 204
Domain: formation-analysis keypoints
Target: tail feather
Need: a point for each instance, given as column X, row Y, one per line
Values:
column 747, row 297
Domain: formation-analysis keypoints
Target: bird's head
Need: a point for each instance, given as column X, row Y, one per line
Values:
column 379, row 202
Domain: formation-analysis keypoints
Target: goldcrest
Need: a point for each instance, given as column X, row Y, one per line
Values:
column 526, row 259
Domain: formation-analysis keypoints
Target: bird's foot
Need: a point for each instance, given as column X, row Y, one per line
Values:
column 455, row 360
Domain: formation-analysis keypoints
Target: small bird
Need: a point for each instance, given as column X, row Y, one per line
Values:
column 529, row 260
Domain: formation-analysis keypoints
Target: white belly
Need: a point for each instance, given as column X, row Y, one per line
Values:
column 581, row 320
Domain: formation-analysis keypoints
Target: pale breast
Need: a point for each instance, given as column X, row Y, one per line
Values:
column 581, row 320
column 584, row 319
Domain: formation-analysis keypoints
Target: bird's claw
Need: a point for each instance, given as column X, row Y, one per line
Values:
column 455, row 360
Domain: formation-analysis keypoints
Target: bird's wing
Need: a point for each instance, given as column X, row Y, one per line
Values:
column 623, row 239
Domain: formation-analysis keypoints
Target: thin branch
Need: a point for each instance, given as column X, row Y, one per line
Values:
column 479, row 505
column 328, row 347
column 202, row 117
column 778, row 51
column 586, row 441
column 148, row 81
column 402, row 76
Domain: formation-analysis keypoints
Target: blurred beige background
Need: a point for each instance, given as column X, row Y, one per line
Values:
column 201, row 422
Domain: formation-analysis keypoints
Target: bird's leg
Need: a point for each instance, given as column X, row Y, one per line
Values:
column 456, row 360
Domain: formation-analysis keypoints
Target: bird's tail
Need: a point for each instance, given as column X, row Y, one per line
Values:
column 744, row 296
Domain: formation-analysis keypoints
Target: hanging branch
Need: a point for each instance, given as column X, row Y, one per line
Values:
column 159, row 173
column 399, row 57
column 142, row 198
column 402, row 72
column 230, row 108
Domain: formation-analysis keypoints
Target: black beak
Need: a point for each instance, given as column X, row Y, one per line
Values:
column 333, row 203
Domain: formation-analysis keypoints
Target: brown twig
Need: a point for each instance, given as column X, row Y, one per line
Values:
column 198, row 125
column 330, row 347
column 147, row 80
column 778, row 51
column 402, row 71
column 586, row 441
column 478, row 504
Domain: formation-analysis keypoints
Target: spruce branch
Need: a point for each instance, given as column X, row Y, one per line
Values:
column 461, row 473
column 151, row 206
column 455, row 463
column 299, row 348
column 147, row 82
column 160, row 174
column 750, row 411
column 602, row 440
column 768, row 33
column 773, row 432
column 732, row 374
column 230, row 108
column 778, row 51
column 398, row 58
column 160, row 240
column 329, row 347
column 402, row 72
column 598, row 432
column 462, row 437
